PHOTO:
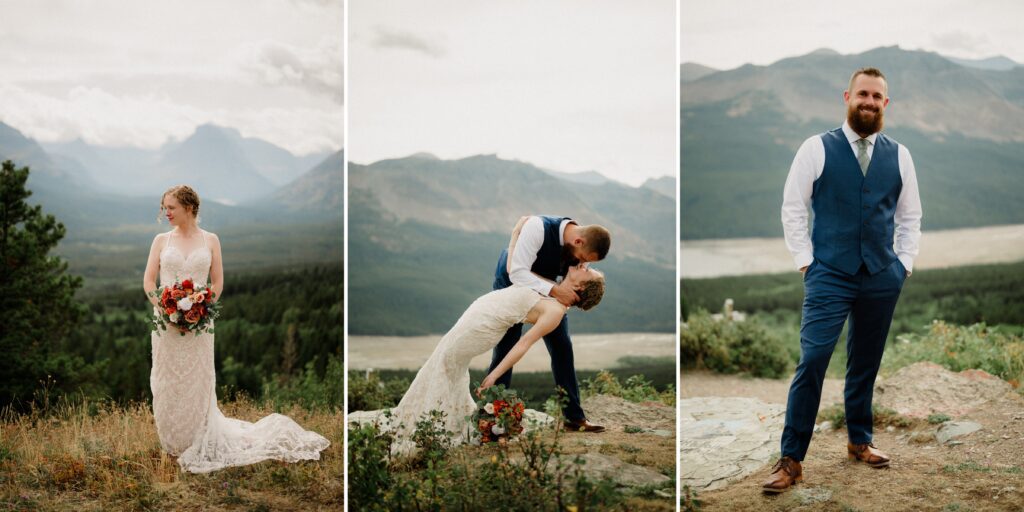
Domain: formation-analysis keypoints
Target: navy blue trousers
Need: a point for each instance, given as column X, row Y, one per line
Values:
column 559, row 346
column 830, row 298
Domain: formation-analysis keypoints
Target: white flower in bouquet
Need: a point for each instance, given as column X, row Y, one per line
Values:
column 497, row 430
column 489, row 408
column 173, row 317
column 185, row 304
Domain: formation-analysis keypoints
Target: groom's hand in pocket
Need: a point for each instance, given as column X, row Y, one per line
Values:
column 564, row 294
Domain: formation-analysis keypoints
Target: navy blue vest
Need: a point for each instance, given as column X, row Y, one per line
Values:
column 853, row 214
column 549, row 258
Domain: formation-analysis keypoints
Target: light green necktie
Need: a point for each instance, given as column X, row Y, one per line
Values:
column 862, row 156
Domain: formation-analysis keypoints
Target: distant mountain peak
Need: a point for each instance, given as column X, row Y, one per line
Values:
column 689, row 71
column 994, row 63
column 214, row 130
column 824, row 51
column 424, row 155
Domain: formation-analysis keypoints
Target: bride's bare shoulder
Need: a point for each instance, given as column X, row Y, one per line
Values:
column 551, row 304
column 211, row 237
column 160, row 238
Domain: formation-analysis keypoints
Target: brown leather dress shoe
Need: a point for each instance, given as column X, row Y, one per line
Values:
column 868, row 454
column 582, row 426
column 785, row 474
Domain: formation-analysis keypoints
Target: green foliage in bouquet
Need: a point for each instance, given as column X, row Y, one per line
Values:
column 732, row 347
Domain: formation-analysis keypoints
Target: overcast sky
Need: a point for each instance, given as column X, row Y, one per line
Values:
column 725, row 35
column 571, row 85
column 128, row 73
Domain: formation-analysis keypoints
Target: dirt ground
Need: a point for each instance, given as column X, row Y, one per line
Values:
column 985, row 472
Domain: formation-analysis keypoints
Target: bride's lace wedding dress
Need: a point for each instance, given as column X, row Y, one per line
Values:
column 188, row 421
column 442, row 384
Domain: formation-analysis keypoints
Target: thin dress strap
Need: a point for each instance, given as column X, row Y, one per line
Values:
column 167, row 241
column 203, row 234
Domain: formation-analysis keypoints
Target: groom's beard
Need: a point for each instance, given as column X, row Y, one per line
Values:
column 865, row 119
column 568, row 259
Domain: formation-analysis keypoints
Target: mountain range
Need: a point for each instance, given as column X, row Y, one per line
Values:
column 213, row 158
column 741, row 128
column 108, row 198
column 425, row 233
column 237, row 178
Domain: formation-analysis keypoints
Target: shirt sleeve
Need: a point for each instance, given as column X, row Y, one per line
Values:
column 531, row 238
column 796, row 199
column 908, row 213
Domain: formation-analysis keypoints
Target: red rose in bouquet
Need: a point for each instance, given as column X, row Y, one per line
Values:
column 187, row 285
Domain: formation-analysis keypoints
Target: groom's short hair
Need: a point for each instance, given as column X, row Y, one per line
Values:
column 598, row 240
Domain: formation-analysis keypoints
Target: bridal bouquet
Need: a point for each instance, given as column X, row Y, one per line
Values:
column 499, row 414
column 186, row 306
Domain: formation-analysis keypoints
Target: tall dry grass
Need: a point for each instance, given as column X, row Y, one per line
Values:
column 98, row 456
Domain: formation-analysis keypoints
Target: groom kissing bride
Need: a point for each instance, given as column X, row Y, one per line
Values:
column 543, row 272
column 542, row 249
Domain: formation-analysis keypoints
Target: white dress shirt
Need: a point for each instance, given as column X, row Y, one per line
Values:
column 796, row 200
column 531, row 238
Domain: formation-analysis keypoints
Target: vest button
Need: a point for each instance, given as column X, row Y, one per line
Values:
column 866, row 207
column 867, row 191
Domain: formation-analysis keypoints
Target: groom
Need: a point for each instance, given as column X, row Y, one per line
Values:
column 863, row 189
column 546, row 247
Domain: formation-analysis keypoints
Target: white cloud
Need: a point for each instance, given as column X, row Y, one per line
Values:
column 393, row 39
column 148, row 121
column 318, row 69
column 961, row 42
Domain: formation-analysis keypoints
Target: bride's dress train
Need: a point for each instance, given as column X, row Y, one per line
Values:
column 442, row 384
column 183, row 381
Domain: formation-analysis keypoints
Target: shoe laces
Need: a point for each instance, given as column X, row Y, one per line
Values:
column 784, row 464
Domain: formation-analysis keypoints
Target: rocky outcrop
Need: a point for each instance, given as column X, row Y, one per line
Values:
column 922, row 389
column 726, row 439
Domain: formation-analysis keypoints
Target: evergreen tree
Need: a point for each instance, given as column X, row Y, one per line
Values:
column 37, row 305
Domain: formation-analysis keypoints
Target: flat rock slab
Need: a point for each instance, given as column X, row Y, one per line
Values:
column 725, row 439
column 616, row 413
column 922, row 389
column 953, row 429
column 598, row 466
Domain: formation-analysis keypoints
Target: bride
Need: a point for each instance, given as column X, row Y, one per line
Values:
column 188, row 421
column 442, row 383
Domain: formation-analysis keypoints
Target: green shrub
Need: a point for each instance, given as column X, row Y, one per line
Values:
column 431, row 439
column 880, row 416
column 635, row 389
column 308, row 389
column 959, row 348
column 370, row 393
column 369, row 451
column 732, row 347
column 538, row 477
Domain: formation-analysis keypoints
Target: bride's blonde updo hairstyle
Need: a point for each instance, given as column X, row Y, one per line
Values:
column 186, row 196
